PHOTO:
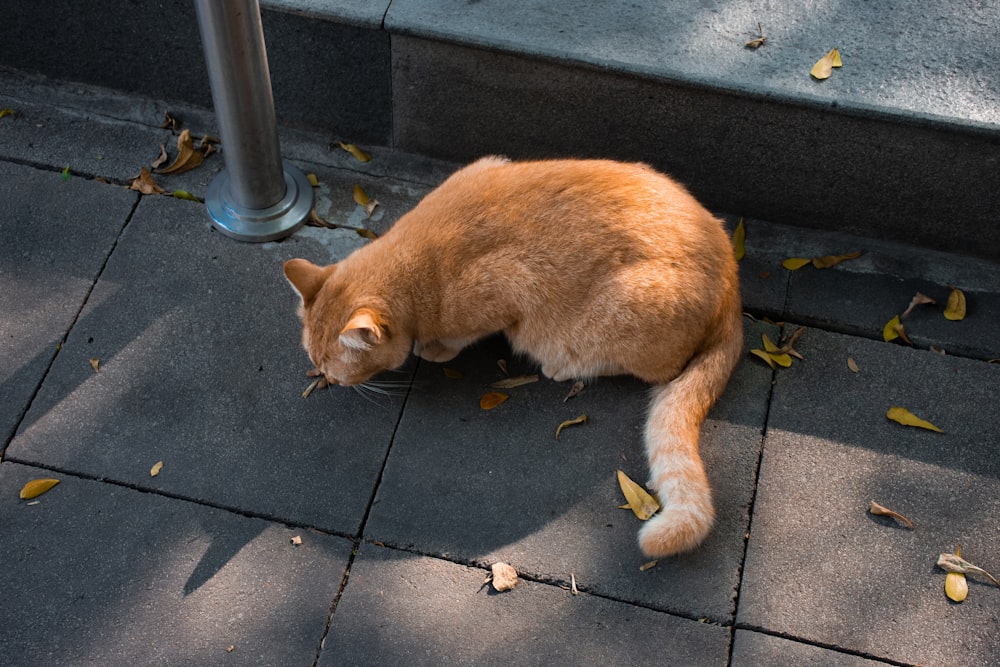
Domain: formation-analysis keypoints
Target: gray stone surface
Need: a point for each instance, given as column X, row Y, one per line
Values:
column 98, row 574
column 819, row 567
column 508, row 490
column 752, row 649
column 52, row 253
column 406, row 609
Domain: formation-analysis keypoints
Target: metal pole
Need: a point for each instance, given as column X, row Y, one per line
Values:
column 256, row 197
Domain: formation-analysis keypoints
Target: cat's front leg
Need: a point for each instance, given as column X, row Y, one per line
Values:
column 439, row 350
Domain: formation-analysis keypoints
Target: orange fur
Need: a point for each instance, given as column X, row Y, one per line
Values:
column 590, row 267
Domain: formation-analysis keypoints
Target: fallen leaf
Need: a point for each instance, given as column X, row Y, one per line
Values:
column 955, row 310
column 502, row 365
column 570, row 422
column 230, row 648
column 362, row 199
column 640, row 501
column 145, row 184
column 577, row 387
column 6, row 112
column 187, row 156
column 648, row 566
column 824, row 66
column 492, row 399
column 510, row 383
column 572, row 584
column 452, row 374
column 161, row 160
column 879, row 510
column 359, row 154
column 184, row 194
column 95, row 364
column 169, row 122
column 155, row 470
column 739, row 240
column 313, row 181
column 773, row 354
column 955, row 586
column 765, row 356
column 36, row 487
column 828, row 261
column 65, row 174
column 917, row 300
column 890, row 331
column 907, row 418
column 366, row 233
column 955, row 563
column 318, row 383
column 789, row 346
column 853, row 365
column 795, row 263
column 758, row 41
column 504, row 577
column 296, row 540
column 315, row 221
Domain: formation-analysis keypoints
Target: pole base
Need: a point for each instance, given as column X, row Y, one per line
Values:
column 260, row 225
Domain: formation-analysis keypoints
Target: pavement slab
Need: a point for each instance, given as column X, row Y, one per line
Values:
column 819, row 568
column 51, row 256
column 403, row 608
column 99, row 574
column 479, row 486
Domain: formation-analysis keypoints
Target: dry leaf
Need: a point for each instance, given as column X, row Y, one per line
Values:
column 759, row 41
column 955, row 309
column 795, row 263
column 640, row 501
column 297, row 540
column 879, row 510
column 315, row 221
column 955, row 563
column 318, row 383
column 95, row 364
column 452, row 374
column 36, row 487
column 187, row 156
column 359, row 154
column 570, row 422
column 161, row 160
column 510, row 383
column 788, row 347
column 502, row 365
column 828, row 261
column 907, row 418
column 145, row 184
column 155, row 470
column 362, row 199
column 366, row 233
column 504, row 577
column 739, row 240
column 853, row 365
column 648, row 566
column 824, row 66
column 169, row 122
column 492, row 399
column 575, row 390
column 572, row 584
column 313, row 181
column 230, row 648
column 917, row 300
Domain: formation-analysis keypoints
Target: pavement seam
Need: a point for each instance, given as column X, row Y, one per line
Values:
column 828, row 647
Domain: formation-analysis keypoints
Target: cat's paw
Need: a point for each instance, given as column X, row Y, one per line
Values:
column 674, row 530
column 557, row 374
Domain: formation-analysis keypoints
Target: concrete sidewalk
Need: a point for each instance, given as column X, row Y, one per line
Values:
column 403, row 502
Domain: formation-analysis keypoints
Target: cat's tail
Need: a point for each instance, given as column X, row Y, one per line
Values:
column 676, row 471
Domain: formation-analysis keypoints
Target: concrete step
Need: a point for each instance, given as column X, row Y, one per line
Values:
column 902, row 143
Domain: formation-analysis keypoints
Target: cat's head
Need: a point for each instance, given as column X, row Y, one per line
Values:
column 348, row 337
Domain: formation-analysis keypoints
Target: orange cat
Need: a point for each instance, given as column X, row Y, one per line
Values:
column 590, row 267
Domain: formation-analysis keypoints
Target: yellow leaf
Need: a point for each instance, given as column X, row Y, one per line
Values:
column 795, row 263
column 511, row 383
column 956, row 305
column 739, row 240
column 36, row 487
column 363, row 200
column 907, row 418
column 187, row 157
column 765, row 356
column 775, row 353
column 492, row 399
column 452, row 374
column 366, row 233
column 889, row 331
column 6, row 112
column 824, row 66
column 155, row 470
column 313, row 181
column 955, row 586
column 642, row 504
column 359, row 154
column 96, row 365
column 570, row 422
column 827, row 261
column 184, row 194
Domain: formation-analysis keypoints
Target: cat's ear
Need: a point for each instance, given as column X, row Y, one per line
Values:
column 363, row 331
column 305, row 277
